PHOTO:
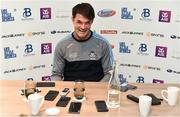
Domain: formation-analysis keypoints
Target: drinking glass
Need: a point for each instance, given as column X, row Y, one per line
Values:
column 30, row 87
column 79, row 89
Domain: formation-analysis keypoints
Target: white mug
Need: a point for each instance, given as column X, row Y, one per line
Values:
column 35, row 103
column 144, row 105
column 171, row 95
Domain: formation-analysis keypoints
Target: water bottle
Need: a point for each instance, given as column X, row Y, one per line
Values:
column 113, row 100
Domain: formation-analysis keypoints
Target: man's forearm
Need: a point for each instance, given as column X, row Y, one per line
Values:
column 56, row 78
column 106, row 78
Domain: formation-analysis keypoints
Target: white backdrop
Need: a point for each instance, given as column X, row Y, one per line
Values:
column 145, row 35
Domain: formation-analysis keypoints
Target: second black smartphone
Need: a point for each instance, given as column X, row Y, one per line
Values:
column 101, row 106
column 155, row 100
column 63, row 101
column 51, row 95
column 75, row 107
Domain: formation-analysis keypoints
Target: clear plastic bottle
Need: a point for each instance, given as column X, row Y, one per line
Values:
column 113, row 100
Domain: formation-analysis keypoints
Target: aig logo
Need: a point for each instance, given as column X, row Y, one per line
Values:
column 46, row 48
column 45, row 13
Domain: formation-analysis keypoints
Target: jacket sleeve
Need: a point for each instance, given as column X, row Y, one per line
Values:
column 58, row 64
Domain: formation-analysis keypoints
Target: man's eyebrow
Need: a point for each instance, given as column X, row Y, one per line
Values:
column 84, row 22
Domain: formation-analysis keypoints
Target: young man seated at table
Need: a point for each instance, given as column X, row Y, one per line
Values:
column 84, row 54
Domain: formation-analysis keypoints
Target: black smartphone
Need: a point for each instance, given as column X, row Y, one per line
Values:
column 131, row 87
column 45, row 84
column 64, row 92
column 155, row 100
column 101, row 106
column 128, row 87
column 63, row 101
column 51, row 95
column 75, row 107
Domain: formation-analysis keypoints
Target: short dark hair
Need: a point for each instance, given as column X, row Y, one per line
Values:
column 84, row 9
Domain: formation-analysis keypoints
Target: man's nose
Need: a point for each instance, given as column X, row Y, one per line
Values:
column 83, row 26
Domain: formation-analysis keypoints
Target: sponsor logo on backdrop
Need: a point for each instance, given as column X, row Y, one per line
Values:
column 174, row 37
column 132, row 33
column 157, row 81
column 173, row 71
column 30, row 34
column 106, row 13
column 13, row 35
column 14, row 70
column 176, row 54
column 8, row 53
column 62, row 14
column 161, row 51
column 45, row 13
column 177, row 17
column 28, row 50
column 46, row 48
column 122, row 80
column 140, row 79
column 6, row 15
column 130, row 65
column 145, row 15
column 145, row 67
column 125, row 14
column 164, row 16
column 149, row 34
column 27, row 13
column 123, row 48
column 46, row 78
column 142, row 49
column 31, row 67
column 108, row 31
column 60, row 31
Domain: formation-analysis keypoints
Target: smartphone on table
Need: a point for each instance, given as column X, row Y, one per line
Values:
column 64, row 92
column 101, row 106
column 75, row 107
column 63, row 101
column 51, row 95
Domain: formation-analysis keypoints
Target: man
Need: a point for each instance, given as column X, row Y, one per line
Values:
column 83, row 54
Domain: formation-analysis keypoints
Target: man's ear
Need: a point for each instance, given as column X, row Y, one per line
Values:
column 72, row 18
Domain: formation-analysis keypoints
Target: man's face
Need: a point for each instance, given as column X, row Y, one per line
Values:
column 82, row 26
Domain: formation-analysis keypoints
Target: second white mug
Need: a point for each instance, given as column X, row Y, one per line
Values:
column 171, row 95
column 35, row 103
column 144, row 105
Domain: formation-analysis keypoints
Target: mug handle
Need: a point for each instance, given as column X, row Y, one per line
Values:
column 162, row 94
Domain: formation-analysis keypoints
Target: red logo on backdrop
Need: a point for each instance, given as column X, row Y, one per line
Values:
column 157, row 81
column 108, row 31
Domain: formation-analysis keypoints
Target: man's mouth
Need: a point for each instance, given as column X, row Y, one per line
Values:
column 81, row 30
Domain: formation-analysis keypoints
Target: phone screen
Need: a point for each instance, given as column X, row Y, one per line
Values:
column 155, row 100
column 65, row 90
column 75, row 107
column 51, row 95
column 101, row 106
